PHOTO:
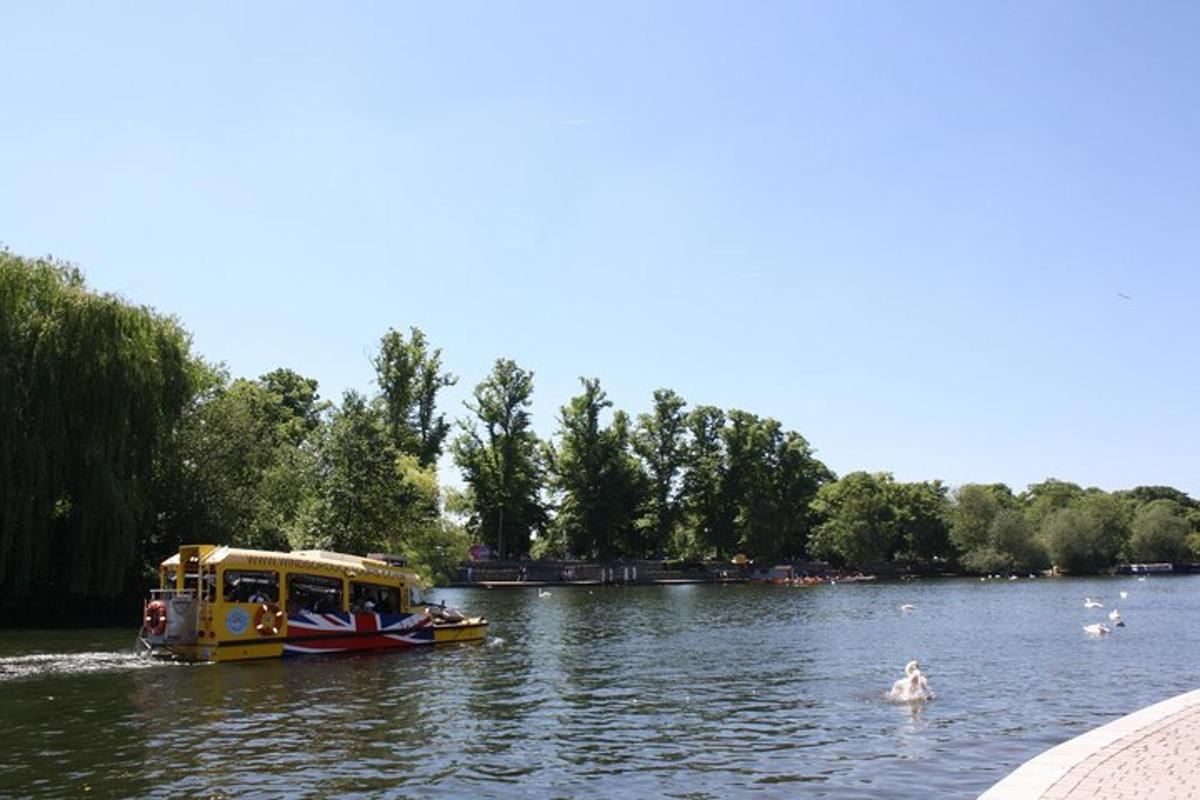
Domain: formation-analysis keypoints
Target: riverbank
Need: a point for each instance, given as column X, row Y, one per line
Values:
column 524, row 572
column 1151, row 753
column 496, row 573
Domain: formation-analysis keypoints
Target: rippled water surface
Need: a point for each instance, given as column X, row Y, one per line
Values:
column 681, row 691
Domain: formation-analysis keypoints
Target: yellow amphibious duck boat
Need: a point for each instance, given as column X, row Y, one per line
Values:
column 218, row 603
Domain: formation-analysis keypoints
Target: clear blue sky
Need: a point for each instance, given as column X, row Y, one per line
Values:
column 899, row 228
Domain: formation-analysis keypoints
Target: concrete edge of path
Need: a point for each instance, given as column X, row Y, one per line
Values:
column 1035, row 777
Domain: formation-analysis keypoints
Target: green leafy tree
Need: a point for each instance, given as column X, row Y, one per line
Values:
column 975, row 506
column 746, row 498
column 600, row 481
column 240, row 467
column 1193, row 543
column 859, row 521
column 796, row 476
column 1016, row 544
column 365, row 501
column 1087, row 535
column 293, row 406
column 922, row 520
column 207, row 472
column 1160, row 532
column 1042, row 499
column 89, row 388
column 770, row 480
column 739, row 486
column 376, row 498
column 287, row 506
column 433, row 543
column 661, row 441
column 410, row 376
column 707, row 528
column 1140, row 496
column 501, row 461
column 992, row 532
column 1143, row 495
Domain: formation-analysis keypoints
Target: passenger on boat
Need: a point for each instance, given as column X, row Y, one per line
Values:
column 258, row 597
column 444, row 614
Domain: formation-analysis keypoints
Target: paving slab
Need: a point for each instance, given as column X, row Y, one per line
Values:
column 1151, row 754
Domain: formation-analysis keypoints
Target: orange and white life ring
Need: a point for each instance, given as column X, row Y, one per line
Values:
column 155, row 618
column 268, row 620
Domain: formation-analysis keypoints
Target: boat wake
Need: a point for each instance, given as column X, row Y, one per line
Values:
column 42, row 664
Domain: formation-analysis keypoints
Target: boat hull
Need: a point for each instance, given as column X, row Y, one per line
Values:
column 469, row 630
column 316, row 634
column 309, row 633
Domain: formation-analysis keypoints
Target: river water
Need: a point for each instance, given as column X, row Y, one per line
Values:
column 678, row 691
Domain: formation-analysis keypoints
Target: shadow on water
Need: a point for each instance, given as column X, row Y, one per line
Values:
column 699, row 691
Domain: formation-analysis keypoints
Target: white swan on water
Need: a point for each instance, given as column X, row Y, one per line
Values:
column 912, row 687
column 1098, row 629
column 908, row 607
column 543, row 593
column 1115, row 616
column 1090, row 603
column 1124, row 594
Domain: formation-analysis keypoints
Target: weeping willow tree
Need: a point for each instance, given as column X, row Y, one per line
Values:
column 88, row 386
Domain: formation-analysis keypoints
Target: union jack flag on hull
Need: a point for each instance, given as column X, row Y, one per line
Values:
column 338, row 632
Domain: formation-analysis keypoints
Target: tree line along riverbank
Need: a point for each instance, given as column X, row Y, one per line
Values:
column 118, row 443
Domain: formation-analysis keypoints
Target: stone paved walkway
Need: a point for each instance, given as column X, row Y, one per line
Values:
column 1152, row 754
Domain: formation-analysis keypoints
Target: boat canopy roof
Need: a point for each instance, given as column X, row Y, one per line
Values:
column 351, row 566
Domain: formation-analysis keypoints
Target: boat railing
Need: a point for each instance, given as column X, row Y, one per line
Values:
column 182, row 616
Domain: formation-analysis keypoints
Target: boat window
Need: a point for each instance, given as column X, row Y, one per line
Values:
column 318, row 593
column 374, row 597
column 191, row 580
column 414, row 596
column 250, row 586
column 171, row 576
